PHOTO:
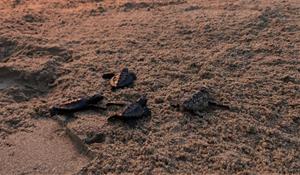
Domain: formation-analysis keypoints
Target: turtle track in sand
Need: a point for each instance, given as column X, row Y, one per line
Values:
column 7, row 48
column 22, row 85
column 128, row 6
column 57, row 52
column 21, row 82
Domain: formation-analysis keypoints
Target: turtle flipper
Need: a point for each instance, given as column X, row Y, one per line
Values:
column 116, row 103
column 96, row 107
column 133, row 75
column 94, row 99
column 217, row 105
column 108, row 76
column 147, row 112
column 76, row 105
column 59, row 111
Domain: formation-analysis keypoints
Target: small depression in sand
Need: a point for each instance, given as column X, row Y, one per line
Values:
column 44, row 150
column 7, row 48
column 7, row 77
column 22, row 85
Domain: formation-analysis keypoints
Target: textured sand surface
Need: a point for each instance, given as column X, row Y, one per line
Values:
column 45, row 150
column 245, row 51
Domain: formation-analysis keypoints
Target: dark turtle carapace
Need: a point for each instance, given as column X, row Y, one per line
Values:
column 122, row 79
column 76, row 105
column 199, row 102
column 135, row 110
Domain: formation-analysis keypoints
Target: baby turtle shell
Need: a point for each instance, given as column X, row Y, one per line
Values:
column 135, row 110
column 123, row 79
column 199, row 102
column 76, row 105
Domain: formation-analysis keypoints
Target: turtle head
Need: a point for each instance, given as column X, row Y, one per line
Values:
column 94, row 99
column 142, row 100
column 125, row 70
column 203, row 89
column 54, row 111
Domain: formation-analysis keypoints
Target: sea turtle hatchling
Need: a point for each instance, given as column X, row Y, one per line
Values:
column 76, row 105
column 135, row 110
column 122, row 79
column 199, row 102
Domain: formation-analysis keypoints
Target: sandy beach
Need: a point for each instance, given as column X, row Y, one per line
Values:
column 246, row 52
